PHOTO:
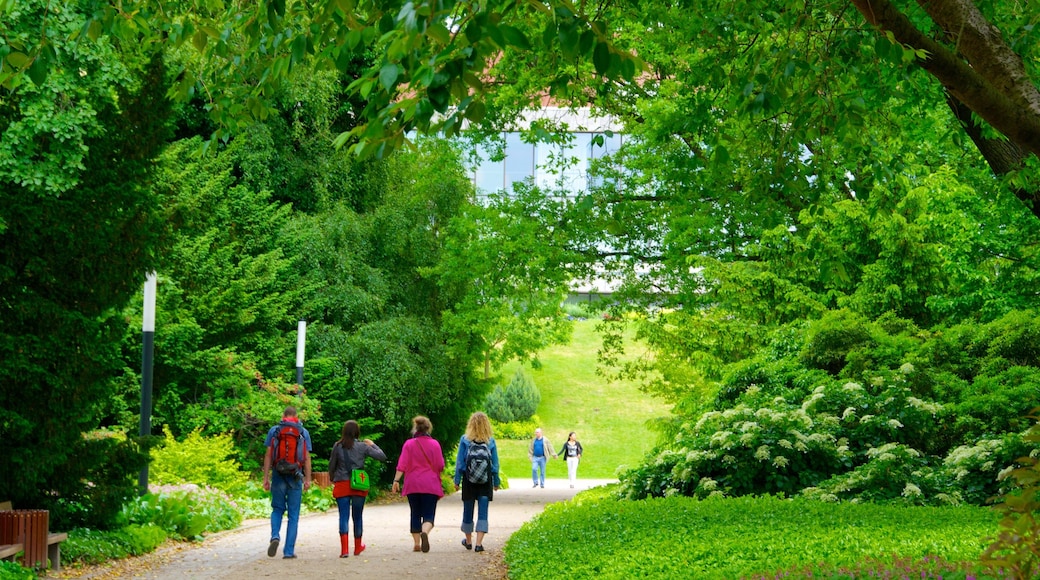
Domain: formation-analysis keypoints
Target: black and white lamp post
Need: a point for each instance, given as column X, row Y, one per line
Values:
column 301, row 339
column 148, row 328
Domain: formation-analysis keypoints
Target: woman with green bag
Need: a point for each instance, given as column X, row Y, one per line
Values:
column 346, row 463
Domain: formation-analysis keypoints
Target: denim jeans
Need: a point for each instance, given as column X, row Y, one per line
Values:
column 482, row 515
column 538, row 465
column 346, row 503
column 286, row 495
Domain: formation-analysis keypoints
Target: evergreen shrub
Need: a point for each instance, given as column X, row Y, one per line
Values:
column 515, row 430
column 517, row 401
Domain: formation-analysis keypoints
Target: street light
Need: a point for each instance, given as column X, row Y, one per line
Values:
column 301, row 339
column 148, row 339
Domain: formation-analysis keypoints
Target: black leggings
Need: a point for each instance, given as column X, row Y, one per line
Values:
column 424, row 509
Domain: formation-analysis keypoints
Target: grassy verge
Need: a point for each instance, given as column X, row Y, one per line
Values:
column 679, row 537
column 610, row 418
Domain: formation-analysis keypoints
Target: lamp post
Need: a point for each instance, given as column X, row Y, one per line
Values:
column 148, row 343
column 301, row 339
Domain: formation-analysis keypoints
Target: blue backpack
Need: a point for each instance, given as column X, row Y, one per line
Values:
column 478, row 463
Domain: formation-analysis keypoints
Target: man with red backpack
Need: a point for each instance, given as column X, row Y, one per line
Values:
column 287, row 474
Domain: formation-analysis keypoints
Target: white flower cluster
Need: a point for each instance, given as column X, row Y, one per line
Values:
column 912, row 491
column 926, row 406
column 964, row 458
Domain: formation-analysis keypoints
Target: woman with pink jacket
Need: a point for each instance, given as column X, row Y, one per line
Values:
column 422, row 461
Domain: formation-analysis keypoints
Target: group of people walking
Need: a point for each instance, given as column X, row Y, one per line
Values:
column 287, row 474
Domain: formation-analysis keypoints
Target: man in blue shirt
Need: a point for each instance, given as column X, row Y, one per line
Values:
column 287, row 474
column 538, row 452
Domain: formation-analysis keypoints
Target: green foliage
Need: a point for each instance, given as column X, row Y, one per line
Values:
column 517, row 401
column 521, row 273
column 736, row 538
column 86, row 546
column 930, row 567
column 110, row 462
column 203, row 461
column 515, row 430
column 1016, row 548
column 79, row 226
column 852, row 408
column 315, row 499
column 14, row 571
column 184, row 512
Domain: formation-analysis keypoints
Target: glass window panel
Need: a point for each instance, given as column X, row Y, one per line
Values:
column 489, row 176
column 519, row 162
column 577, row 157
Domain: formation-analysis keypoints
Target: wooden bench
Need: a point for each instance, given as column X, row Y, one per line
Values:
column 54, row 541
column 9, row 551
column 24, row 530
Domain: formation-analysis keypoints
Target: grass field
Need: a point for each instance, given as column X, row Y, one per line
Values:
column 610, row 418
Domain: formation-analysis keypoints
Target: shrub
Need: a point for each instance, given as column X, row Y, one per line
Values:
column 85, row 546
column 185, row 512
column 198, row 459
column 1016, row 548
column 516, row 430
column 517, row 401
column 13, row 571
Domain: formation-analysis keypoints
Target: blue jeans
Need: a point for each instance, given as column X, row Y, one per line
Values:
column 286, row 495
column 482, row 515
column 538, row 465
column 345, row 503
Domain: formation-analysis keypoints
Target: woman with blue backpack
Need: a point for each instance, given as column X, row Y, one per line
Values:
column 476, row 471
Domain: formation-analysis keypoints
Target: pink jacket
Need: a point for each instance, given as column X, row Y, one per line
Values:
column 421, row 462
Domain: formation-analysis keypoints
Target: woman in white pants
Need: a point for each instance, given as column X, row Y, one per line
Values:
column 572, row 453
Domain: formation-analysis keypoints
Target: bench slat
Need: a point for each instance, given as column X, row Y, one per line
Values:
column 8, row 550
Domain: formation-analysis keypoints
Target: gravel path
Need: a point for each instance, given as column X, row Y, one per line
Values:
column 241, row 554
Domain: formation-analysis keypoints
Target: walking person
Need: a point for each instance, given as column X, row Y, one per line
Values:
column 421, row 464
column 538, row 452
column 287, row 474
column 348, row 456
column 572, row 455
column 476, row 469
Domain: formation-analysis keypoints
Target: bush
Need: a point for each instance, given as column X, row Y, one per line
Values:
column 85, row 546
column 200, row 460
column 516, row 430
column 185, row 512
column 517, row 401
column 1016, row 548
column 12, row 571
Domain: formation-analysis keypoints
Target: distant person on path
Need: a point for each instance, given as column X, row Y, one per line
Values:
column 421, row 464
column 476, row 469
column 349, row 454
column 572, row 455
column 538, row 452
column 287, row 473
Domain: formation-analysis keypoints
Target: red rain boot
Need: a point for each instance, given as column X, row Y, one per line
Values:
column 344, row 545
column 358, row 546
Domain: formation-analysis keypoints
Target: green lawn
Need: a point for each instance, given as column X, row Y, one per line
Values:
column 610, row 418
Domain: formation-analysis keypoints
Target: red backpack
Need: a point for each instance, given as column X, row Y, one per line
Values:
column 287, row 445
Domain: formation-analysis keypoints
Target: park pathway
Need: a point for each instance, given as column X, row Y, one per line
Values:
column 241, row 554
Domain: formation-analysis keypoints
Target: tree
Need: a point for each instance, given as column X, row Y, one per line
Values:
column 512, row 274
column 434, row 63
column 74, row 246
